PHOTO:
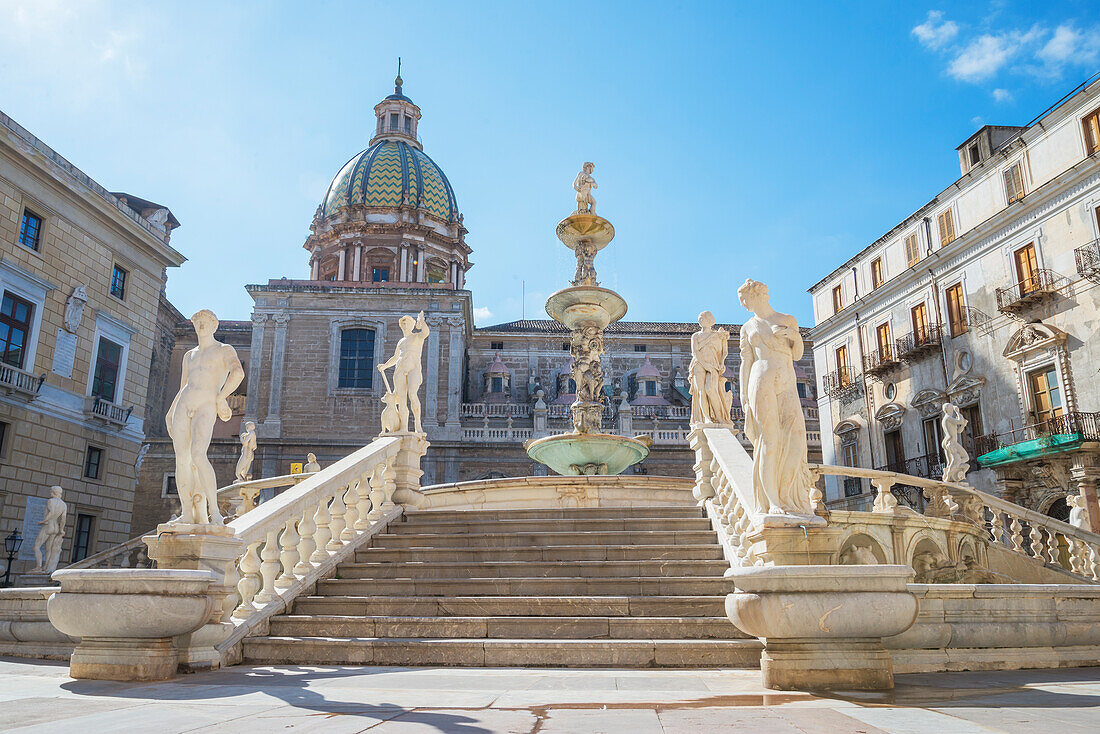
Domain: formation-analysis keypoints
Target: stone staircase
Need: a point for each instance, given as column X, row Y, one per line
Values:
column 599, row 587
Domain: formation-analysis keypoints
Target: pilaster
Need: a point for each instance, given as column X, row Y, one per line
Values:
column 456, row 358
column 431, row 381
column 255, row 366
column 273, row 422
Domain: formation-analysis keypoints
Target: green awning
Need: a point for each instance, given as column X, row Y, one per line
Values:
column 1035, row 448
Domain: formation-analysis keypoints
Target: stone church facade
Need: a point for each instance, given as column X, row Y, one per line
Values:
column 388, row 240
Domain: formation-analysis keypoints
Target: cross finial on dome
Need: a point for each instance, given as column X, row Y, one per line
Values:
column 398, row 82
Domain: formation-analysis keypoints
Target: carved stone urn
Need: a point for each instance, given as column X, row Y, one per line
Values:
column 823, row 626
column 126, row 618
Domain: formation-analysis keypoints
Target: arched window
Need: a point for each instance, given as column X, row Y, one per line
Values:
column 356, row 358
column 437, row 271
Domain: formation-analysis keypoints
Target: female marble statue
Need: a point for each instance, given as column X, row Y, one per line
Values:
column 958, row 463
column 710, row 401
column 47, row 545
column 248, row 452
column 774, row 423
column 583, row 185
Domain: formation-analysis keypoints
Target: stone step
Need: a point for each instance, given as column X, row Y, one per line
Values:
column 536, row 539
column 481, row 652
column 529, row 569
column 638, row 586
column 468, row 527
column 513, row 606
column 571, row 628
column 559, row 513
column 560, row 553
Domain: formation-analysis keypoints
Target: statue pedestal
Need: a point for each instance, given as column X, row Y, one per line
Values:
column 34, row 579
column 796, row 545
column 823, row 626
column 201, row 548
column 407, row 471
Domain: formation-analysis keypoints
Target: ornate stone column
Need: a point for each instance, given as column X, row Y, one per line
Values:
column 278, row 360
column 255, row 366
column 1086, row 475
column 456, row 354
column 431, row 380
column 355, row 274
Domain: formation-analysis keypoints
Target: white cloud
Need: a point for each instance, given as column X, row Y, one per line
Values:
column 987, row 54
column 1002, row 95
column 935, row 32
column 482, row 314
column 1069, row 46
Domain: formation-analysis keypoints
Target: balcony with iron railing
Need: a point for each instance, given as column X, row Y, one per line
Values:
column 880, row 361
column 1038, row 439
column 842, row 383
column 1088, row 260
column 1039, row 286
column 918, row 343
column 15, row 381
column 104, row 410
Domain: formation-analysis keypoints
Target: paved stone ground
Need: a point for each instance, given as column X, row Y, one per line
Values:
column 40, row 697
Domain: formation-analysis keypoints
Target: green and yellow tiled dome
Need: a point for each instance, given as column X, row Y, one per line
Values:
column 387, row 173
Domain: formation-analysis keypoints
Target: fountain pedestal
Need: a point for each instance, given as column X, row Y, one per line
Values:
column 586, row 310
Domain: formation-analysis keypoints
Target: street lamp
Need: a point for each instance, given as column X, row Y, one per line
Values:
column 11, row 547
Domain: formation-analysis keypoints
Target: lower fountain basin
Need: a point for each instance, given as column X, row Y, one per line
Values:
column 586, row 305
column 574, row 454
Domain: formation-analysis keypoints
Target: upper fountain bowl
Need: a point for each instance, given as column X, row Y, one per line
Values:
column 584, row 227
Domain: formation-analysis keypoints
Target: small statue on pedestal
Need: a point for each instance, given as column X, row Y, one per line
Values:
column 312, row 465
column 248, row 452
column 47, row 545
column 958, row 462
column 710, row 401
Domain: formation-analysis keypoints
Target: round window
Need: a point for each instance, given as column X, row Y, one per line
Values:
column 890, row 390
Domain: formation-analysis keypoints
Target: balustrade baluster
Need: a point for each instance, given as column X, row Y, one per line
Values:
column 250, row 580
column 269, row 568
column 1053, row 548
column 336, row 521
column 232, row 597
column 362, row 524
column 1094, row 563
column 351, row 501
column 377, row 490
column 1036, row 536
column 1017, row 536
column 389, row 485
column 1077, row 553
column 322, row 534
column 997, row 526
column 288, row 558
column 306, row 546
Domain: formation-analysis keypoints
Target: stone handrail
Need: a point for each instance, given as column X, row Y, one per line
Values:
column 720, row 460
column 131, row 554
column 1048, row 540
column 241, row 496
column 287, row 537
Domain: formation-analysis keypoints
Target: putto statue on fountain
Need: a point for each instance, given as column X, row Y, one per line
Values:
column 583, row 185
column 774, row 422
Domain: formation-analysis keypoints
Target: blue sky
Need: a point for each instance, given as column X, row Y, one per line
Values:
column 731, row 140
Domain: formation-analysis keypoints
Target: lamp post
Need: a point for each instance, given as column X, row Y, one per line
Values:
column 11, row 547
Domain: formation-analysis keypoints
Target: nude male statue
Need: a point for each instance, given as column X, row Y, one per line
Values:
column 586, row 264
column 710, row 401
column 407, row 373
column 211, row 372
column 583, row 185
column 47, row 545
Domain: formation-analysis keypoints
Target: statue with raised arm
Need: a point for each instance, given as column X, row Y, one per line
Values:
column 248, row 453
column 770, row 345
column 583, row 185
column 958, row 462
column 51, row 533
column 710, row 401
column 407, row 372
column 211, row 372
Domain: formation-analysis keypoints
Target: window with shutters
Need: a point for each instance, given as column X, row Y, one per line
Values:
column 1091, row 124
column 947, row 228
column 956, row 313
column 108, row 366
column 876, row 272
column 838, row 299
column 842, row 365
column 1014, row 183
column 919, row 315
column 1027, row 267
column 912, row 250
column 882, row 336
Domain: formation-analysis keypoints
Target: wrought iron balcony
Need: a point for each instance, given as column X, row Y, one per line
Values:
column 853, row 486
column 929, row 466
column 15, row 381
column 106, row 411
column 1088, row 260
column 843, row 383
column 1038, row 439
column 971, row 318
column 917, row 344
column 1020, row 296
column 880, row 361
